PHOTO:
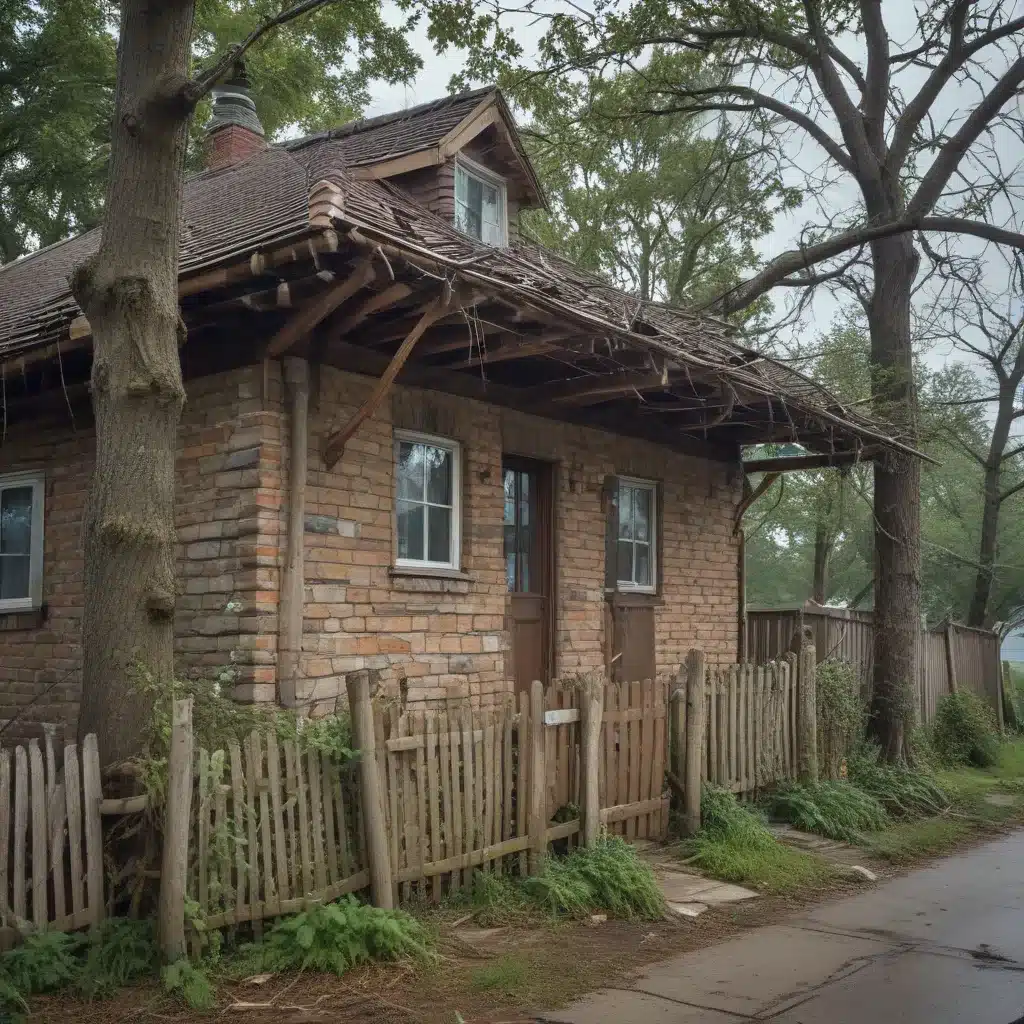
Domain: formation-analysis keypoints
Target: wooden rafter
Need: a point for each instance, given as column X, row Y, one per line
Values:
column 337, row 440
column 795, row 463
column 305, row 319
column 602, row 387
column 373, row 304
column 513, row 347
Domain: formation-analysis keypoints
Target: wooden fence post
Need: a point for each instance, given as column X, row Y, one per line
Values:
column 696, row 682
column 807, row 719
column 591, row 713
column 950, row 658
column 177, row 821
column 537, row 806
column 677, row 733
column 365, row 740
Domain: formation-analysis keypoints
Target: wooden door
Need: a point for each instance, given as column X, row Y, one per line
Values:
column 528, row 567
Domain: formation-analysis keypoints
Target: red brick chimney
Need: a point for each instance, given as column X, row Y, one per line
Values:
column 234, row 131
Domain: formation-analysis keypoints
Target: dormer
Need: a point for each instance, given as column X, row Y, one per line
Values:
column 461, row 156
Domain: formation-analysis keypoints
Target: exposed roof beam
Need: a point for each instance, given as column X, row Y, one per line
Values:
column 795, row 463
column 513, row 347
column 305, row 319
column 373, row 304
column 601, row 387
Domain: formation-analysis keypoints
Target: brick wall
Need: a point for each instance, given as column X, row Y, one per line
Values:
column 433, row 638
column 441, row 638
column 227, row 516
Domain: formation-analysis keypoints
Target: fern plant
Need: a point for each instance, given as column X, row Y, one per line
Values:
column 44, row 962
column 189, row 983
column 119, row 951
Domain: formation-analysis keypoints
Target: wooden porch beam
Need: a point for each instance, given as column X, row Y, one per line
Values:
column 602, row 387
column 337, row 440
column 305, row 319
column 750, row 495
column 514, row 347
column 374, row 304
column 796, row 463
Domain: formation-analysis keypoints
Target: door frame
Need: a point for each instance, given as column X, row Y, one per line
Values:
column 547, row 513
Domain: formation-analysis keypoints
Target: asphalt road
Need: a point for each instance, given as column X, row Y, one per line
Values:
column 944, row 944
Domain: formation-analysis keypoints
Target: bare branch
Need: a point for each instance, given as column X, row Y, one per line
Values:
column 1011, row 491
column 197, row 88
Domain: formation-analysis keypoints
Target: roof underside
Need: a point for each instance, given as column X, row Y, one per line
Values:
column 265, row 239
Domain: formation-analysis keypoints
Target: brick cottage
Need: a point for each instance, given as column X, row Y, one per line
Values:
column 550, row 485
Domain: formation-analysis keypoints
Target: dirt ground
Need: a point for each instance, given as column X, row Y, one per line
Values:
column 515, row 973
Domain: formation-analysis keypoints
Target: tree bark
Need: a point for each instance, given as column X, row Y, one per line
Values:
column 988, row 545
column 128, row 290
column 897, row 503
column 822, row 551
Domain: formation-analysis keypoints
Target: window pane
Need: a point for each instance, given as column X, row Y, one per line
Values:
column 439, row 475
column 14, row 576
column 510, row 497
column 643, row 565
column 491, row 216
column 625, row 512
column 439, row 522
column 642, row 513
column 625, row 568
column 510, row 567
column 410, row 530
column 410, row 470
column 16, row 521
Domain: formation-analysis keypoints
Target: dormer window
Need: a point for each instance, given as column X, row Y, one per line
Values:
column 479, row 203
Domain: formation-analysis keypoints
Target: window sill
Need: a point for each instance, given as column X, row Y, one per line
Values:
column 13, row 619
column 634, row 598
column 429, row 581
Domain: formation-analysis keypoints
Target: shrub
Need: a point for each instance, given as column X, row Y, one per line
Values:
column 964, row 731
column 837, row 810
column 334, row 937
column 902, row 790
column 840, row 712
column 44, row 962
column 608, row 876
column 190, row 983
column 735, row 844
column 119, row 951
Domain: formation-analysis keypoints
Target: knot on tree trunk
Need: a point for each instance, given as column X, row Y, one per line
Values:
column 160, row 603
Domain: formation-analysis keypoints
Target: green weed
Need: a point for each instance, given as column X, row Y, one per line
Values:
column 507, row 974
column 909, row 840
column 119, row 951
column 964, row 731
column 735, row 845
column 189, row 983
column 838, row 810
column 903, row 791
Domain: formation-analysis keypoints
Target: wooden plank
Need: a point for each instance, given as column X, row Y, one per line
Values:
column 56, row 815
column 291, row 814
column 282, row 889
column 5, row 830
column 622, row 752
column 51, row 763
column 174, row 858
column 238, row 822
column 348, row 852
column 329, row 784
column 445, row 786
column 410, row 834
column 316, row 822
column 523, row 775
column 473, row 858
column 91, row 797
column 712, row 713
column 455, row 747
column 37, row 793
column 202, row 853
column 507, row 777
column 471, row 790
column 537, row 812
column 486, row 770
column 497, row 787
column 761, row 754
column 222, row 863
column 19, row 895
column 635, row 743
column 305, row 846
column 432, row 787
column 73, row 796
column 255, row 895
column 734, row 676
column 624, row 812
column 659, row 820
column 479, row 784
column 564, row 735
column 266, row 843
column 425, row 801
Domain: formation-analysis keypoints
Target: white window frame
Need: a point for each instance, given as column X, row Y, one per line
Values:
column 37, row 481
column 628, row 585
column 455, row 535
column 488, row 177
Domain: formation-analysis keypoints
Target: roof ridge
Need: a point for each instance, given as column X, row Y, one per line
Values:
column 363, row 124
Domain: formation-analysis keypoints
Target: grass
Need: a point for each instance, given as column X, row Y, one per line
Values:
column 507, row 974
column 735, row 845
column 907, row 841
column 837, row 810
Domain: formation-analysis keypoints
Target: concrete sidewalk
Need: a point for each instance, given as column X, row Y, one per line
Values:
column 944, row 944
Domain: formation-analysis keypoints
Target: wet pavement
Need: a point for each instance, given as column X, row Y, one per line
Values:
column 941, row 945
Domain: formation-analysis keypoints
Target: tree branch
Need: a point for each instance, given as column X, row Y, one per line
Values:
column 949, row 156
column 795, row 260
column 1011, row 491
column 876, row 90
column 193, row 91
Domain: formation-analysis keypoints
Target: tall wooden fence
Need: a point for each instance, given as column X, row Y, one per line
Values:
column 952, row 656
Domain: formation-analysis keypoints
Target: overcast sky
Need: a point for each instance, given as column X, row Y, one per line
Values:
column 901, row 21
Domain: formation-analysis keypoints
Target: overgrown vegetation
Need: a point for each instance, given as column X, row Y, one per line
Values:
column 335, row 937
column 607, row 878
column 965, row 731
column 735, row 844
column 190, row 983
column 903, row 791
column 837, row 810
column 840, row 713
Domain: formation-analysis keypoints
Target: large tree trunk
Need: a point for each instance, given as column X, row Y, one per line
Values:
column 129, row 293
column 897, row 500
column 988, row 545
column 822, row 551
